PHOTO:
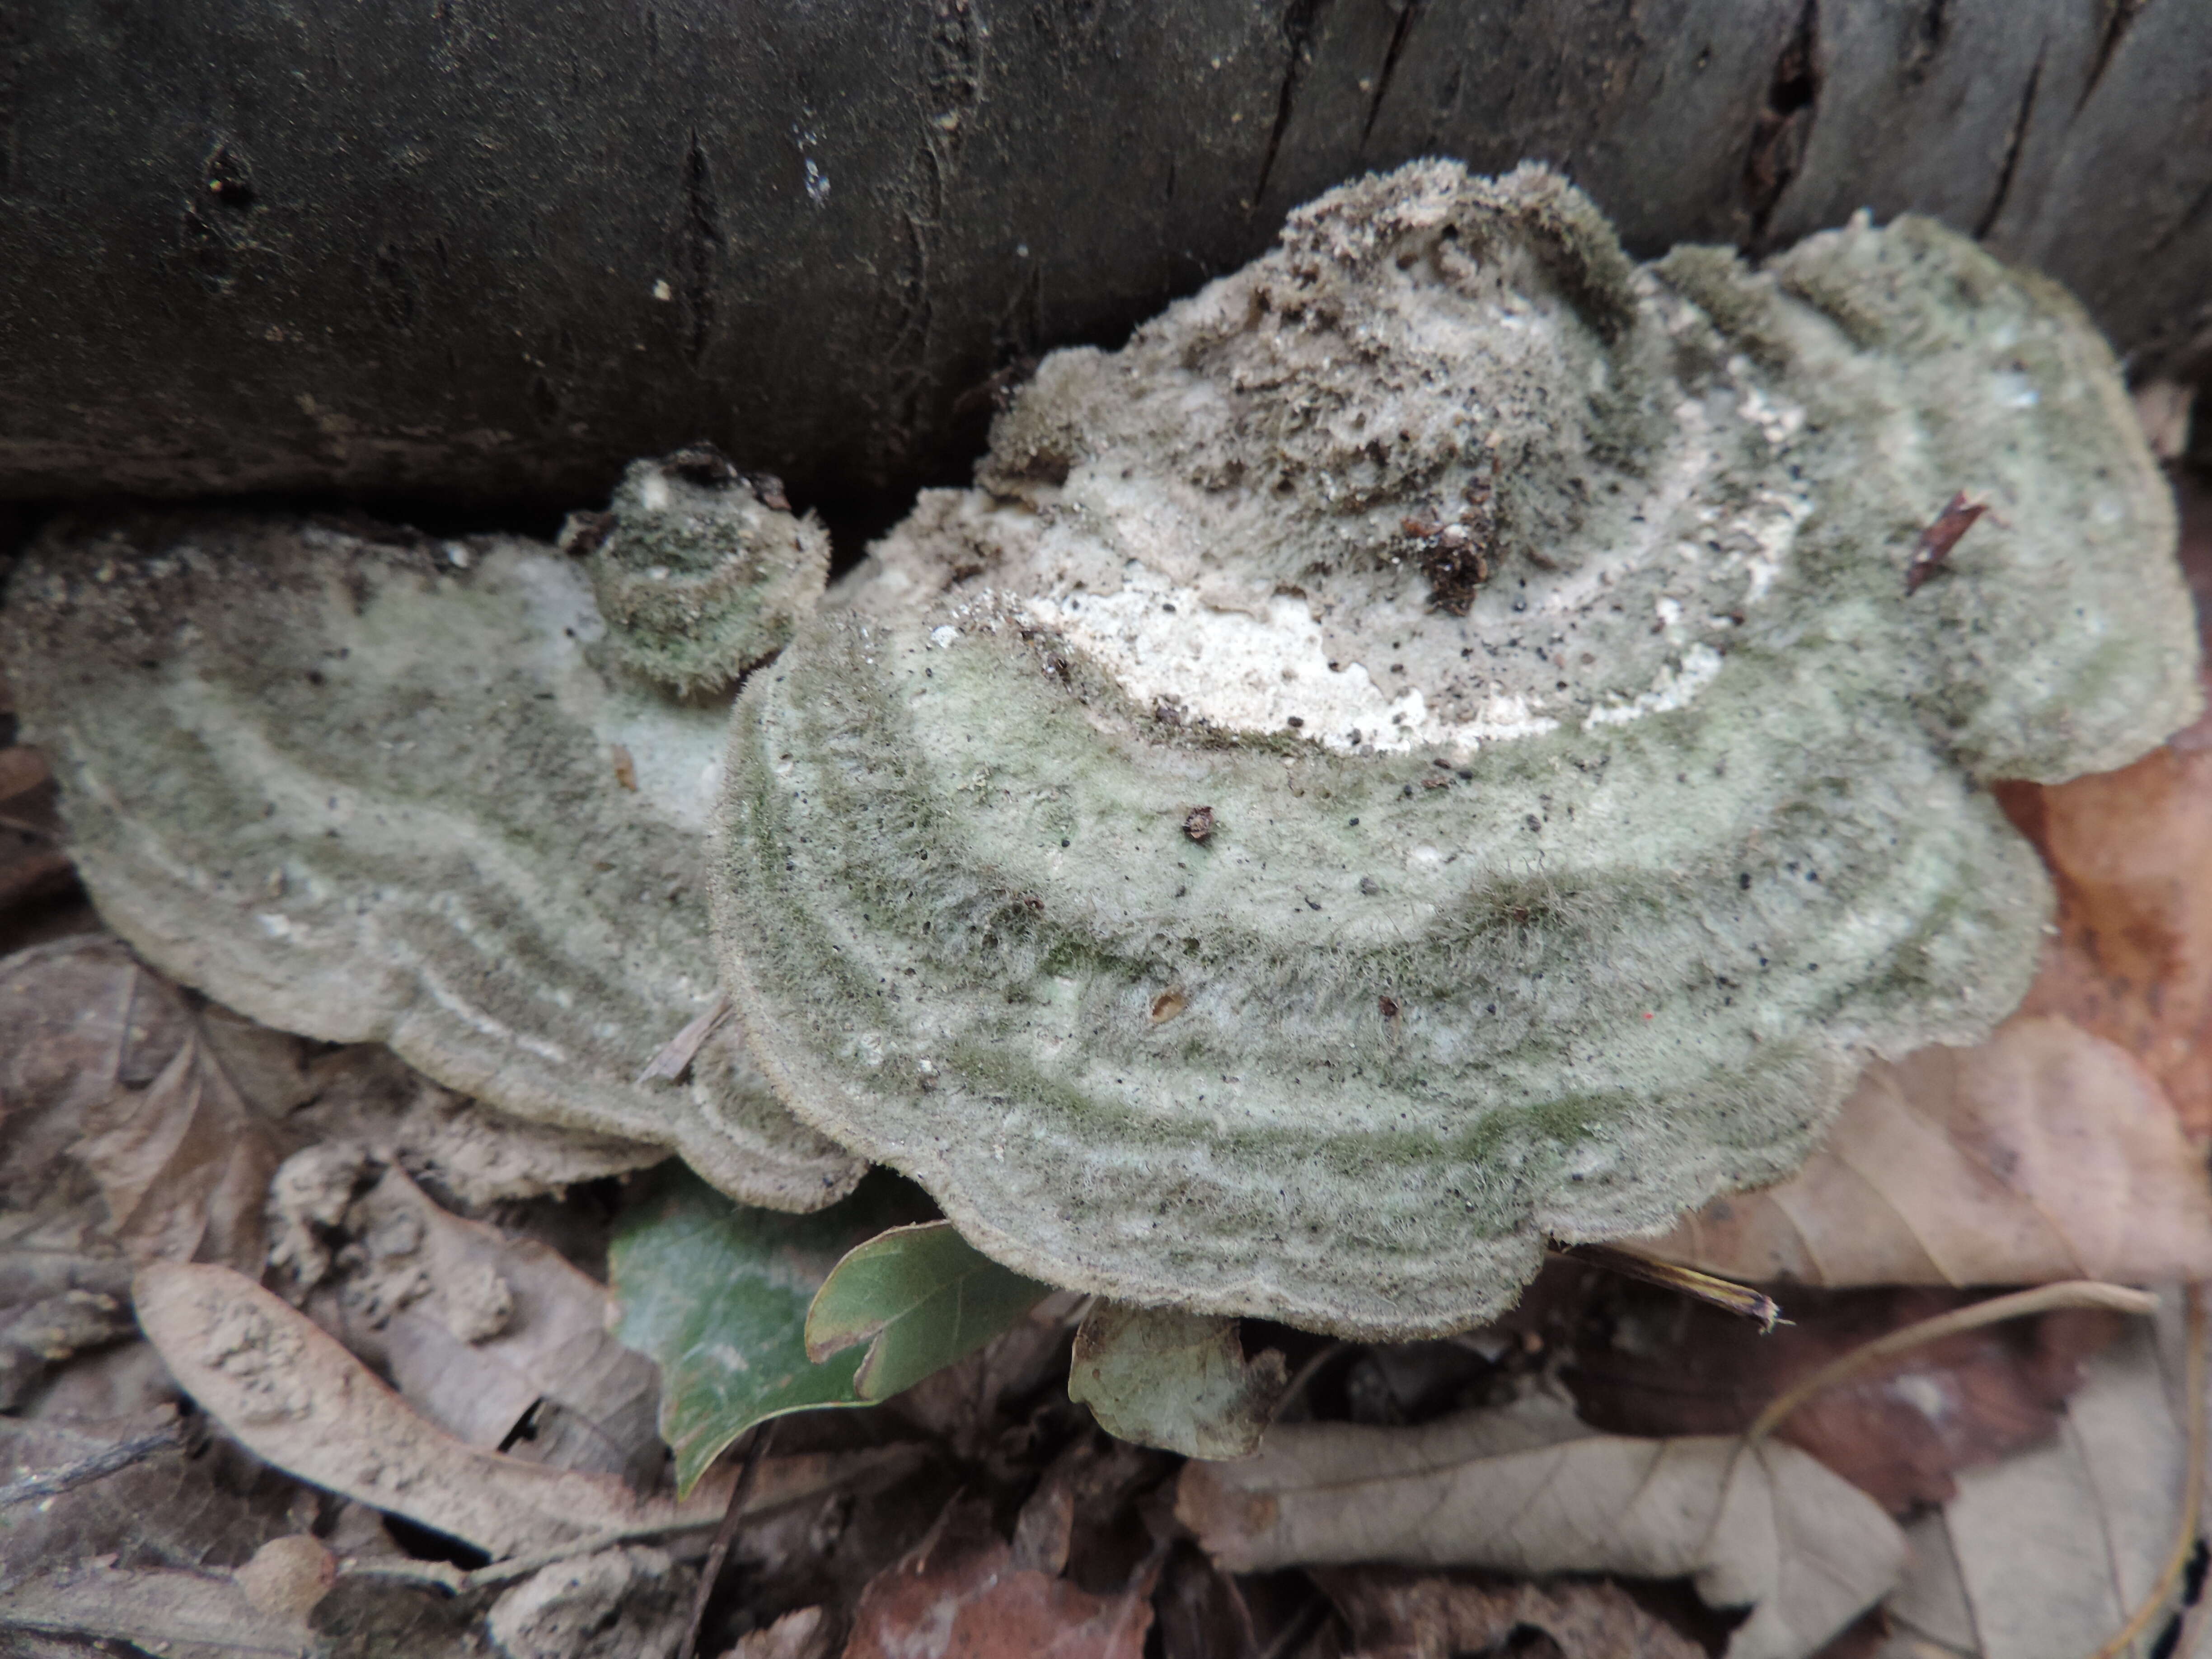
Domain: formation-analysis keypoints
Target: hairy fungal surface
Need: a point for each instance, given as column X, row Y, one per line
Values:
column 1429, row 747
column 701, row 570
column 377, row 791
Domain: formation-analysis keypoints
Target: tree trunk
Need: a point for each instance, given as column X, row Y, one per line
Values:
column 484, row 251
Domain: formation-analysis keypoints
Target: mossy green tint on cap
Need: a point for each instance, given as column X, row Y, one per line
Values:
column 1585, row 795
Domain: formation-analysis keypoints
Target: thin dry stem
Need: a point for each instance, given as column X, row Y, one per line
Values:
column 2192, row 1502
column 2070, row 1293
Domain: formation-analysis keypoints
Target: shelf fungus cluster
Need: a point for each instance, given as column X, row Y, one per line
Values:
column 370, row 786
column 1449, row 738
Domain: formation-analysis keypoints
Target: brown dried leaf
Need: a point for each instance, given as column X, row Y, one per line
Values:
column 2045, row 1555
column 1397, row 1614
column 183, row 1616
column 2046, row 1153
column 478, row 1328
column 294, row 1396
column 171, row 1106
column 1648, row 1364
column 184, row 1163
column 959, row 1591
column 1529, row 1490
column 2130, row 853
column 206, row 1512
column 616, row 1604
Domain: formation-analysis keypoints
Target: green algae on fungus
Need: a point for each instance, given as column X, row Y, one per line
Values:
column 375, row 790
column 701, row 571
column 1583, row 796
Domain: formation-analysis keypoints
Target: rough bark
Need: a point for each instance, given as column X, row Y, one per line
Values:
column 487, row 250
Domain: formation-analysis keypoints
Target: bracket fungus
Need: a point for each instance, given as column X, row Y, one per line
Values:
column 372, row 790
column 701, row 570
column 1583, row 796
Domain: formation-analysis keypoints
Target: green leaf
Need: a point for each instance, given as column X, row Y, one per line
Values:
column 717, row 1293
column 921, row 1298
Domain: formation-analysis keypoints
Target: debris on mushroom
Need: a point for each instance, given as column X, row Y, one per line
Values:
column 701, row 570
column 1444, row 491
column 374, row 789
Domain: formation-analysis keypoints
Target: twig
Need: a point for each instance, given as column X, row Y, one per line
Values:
column 454, row 1580
column 2071, row 1293
column 676, row 1055
column 102, row 1463
column 1706, row 1287
column 725, row 1535
column 2192, row 1501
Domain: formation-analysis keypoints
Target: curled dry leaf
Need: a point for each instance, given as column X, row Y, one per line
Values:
column 961, row 1591
column 1397, row 1615
column 2046, row 1153
column 1174, row 1380
column 1526, row 1489
column 294, row 1396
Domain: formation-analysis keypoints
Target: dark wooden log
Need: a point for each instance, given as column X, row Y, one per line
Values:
column 486, row 250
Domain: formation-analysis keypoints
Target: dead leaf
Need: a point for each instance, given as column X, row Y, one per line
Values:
column 49, row 1331
column 2045, row 1154
column 184, row 1163
column 293, row 1396
column 183, row 1616
column 1397, row 1614
column 1175, row 1380
column 478, row 1330
column 960, row 1592
column 617, row 1604
column 2056, row 1547
column 1647, row 1364
column 204, row 1512
column 1526, row 1489
column 171, row 1105
column 366, row 1094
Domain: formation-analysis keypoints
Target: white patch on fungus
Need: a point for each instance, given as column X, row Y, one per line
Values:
column 1164, row 643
